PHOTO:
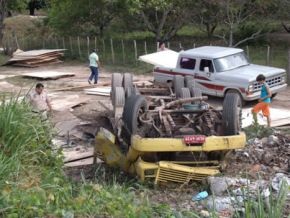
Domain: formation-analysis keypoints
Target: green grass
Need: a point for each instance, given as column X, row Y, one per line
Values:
column 32, row 182
column 3, row 59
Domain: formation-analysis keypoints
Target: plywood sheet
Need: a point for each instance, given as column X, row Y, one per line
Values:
column 48, row 75
column 62, row 102
column 103, row 91
column 6, row 76
column 279, row 117
column 167, row 58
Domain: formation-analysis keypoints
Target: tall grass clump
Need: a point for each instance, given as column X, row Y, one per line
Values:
column 32, row 183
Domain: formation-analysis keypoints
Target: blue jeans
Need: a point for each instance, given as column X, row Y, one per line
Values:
column 94, row 74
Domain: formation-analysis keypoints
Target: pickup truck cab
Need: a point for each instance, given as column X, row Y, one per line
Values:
column 216, row 70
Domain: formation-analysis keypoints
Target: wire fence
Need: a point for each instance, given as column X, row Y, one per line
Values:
column 126, row 52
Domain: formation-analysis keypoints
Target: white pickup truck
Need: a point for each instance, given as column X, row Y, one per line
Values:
column 216, row 71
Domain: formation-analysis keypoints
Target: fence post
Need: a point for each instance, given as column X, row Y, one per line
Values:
column 96, row 43
column 17, row 44
column 112, row 50
column 135, row 48
column 43, row 43
column 71, row 46
column 248, row 51
column 268, row 56
column 79, row 46
column 168, row 45
column 88, row 45
column 56, row 42
column 193, row 45
column 288, row 68
column 145, row 47
column 123, row 51
column 63, row 43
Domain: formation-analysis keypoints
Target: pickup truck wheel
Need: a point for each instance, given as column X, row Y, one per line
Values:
column 116, row 81
column 178, row 83
column 243, row 102
column 232, row 114
column 127, row 80
column 135, row 105
column 189, row 81
column 184, row 93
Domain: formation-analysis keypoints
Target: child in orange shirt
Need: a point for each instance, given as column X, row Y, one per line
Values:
column 264, row 100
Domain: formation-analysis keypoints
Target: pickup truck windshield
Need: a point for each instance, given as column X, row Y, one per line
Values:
column 230, row 62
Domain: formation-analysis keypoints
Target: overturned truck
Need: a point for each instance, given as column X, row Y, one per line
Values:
column 168, row 133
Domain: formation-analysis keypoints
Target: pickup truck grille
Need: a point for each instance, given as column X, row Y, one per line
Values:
column 272, row 81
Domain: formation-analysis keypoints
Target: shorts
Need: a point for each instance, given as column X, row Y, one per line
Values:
column 262, row 106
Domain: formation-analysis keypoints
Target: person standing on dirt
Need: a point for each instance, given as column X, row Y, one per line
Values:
column 94, row 66
column 264, row 100
column 39, row 101
column 161, row 46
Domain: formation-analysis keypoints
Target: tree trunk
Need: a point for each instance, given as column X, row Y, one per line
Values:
column 3, row 12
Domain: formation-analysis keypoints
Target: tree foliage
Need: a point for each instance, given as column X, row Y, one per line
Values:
column 161, row 17
column 86, row 16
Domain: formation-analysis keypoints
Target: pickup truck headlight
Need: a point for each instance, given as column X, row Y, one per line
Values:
column 251, row 88
column 283, row 79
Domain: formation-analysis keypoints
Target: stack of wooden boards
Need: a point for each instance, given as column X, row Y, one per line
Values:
column 36, row 58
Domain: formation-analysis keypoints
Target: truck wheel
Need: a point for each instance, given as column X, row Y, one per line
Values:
column 243, row 102
column 184, row 93
column 178, row 83
column 189, row 81
column 119, row 97
column 232, row 114
column 128, row 92
column 195, row 92
column 116, row 81
column 134, row 106
column 127, row 80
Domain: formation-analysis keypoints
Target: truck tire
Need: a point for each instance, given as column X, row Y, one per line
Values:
column 127, row 80
column 116, row 81
column 119, row 97
column 243, row 102
column 184, row 93
column 195, row 92
column 134, row 105
column 128, row 92
column 232, row 114
column 189, row 81
column 178, row 83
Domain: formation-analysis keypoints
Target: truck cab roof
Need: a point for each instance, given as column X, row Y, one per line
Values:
column 211, row 52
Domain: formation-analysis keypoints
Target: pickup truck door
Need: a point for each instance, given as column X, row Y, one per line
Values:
column 205, row 77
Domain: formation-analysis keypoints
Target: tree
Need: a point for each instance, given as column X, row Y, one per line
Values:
column 161, row 17
column 207, row 14
column 237, row 13
column 5, row 7
column 83, row 17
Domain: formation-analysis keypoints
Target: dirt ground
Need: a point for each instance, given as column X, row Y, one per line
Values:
column 79, row 123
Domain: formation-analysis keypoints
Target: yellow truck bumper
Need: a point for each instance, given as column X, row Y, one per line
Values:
column 164, row 170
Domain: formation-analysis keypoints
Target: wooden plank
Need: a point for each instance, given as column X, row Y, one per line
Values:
column 48, row 75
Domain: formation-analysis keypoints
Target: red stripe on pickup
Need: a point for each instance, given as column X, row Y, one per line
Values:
column 207, row 85
column 178, row 73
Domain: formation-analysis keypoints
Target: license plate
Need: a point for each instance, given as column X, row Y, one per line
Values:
column 194, row 139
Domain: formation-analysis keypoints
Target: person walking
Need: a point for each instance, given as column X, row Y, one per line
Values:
column 94, row 66
column 39, row 101
column 264, row 100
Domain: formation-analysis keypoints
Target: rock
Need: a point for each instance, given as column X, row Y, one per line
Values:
column 219, row 204
column 278, row 180
column 264, row 140
column 218, row 185
column 272, row 140
column 204, row 213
